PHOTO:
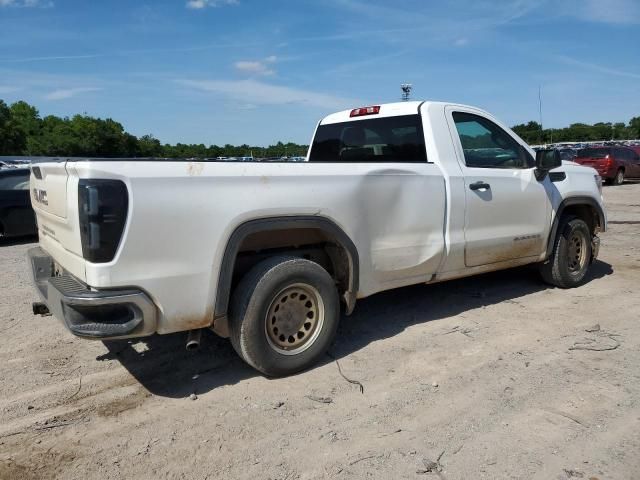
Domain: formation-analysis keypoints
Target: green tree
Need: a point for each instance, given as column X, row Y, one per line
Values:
column 27, row 122
column 12, row 138
column 56, row 138
column 620, row 131
column 634, row 127
column 149, row 146
column 94, row 137
column 530, row 132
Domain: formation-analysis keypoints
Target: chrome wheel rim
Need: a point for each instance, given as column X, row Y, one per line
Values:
column 620, row 177
column 294, row 319
column 577, row 252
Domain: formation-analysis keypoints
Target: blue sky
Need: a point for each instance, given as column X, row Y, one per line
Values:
column 259, row 71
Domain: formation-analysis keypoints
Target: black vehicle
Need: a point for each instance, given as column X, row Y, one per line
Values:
column 16, row 215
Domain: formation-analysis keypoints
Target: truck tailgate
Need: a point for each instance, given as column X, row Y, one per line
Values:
column 54, row 197
column 49, row 188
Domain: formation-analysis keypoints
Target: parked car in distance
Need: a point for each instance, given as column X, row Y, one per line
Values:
column 613, row 164
column 568, row 154
column 16, row 215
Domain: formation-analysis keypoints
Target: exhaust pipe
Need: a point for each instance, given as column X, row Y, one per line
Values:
column 40, row 308
column 193, row 340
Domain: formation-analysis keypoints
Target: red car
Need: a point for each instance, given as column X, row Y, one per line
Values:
column 613, row 164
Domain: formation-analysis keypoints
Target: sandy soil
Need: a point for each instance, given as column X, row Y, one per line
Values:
column 478, row 378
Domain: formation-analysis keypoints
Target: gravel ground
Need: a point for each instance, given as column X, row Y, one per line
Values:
column 496, row 376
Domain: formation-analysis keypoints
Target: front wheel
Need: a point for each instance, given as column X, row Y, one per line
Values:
column 571, row 255
column 284, row 315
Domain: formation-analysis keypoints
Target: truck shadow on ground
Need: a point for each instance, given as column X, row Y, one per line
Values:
column 162, row 365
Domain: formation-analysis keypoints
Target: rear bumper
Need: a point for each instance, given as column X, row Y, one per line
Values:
column 606, row 172
column 87, row 312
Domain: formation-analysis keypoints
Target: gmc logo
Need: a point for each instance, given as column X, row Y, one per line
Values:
column 40, row 196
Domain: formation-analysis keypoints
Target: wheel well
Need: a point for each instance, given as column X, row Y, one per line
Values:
column 585, row 208
column 311, row 243
column 586, row 213
column 315, row 238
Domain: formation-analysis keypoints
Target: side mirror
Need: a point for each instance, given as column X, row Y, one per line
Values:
column 547, row 160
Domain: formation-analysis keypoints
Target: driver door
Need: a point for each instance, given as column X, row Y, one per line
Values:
column 508, row 210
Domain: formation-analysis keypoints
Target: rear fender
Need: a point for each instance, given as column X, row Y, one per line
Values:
column 272, row 224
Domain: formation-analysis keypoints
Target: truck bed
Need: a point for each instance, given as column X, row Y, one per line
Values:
column 182, row 212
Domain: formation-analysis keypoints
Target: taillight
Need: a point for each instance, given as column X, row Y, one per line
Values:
column 102, row 205
column 360, row 112
column 608, row 161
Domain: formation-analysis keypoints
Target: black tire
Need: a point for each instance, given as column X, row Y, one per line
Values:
column 619, row 178
column 267, row 286
column 568, row 264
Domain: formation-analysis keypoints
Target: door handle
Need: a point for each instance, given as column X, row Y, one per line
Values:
column 480, row 186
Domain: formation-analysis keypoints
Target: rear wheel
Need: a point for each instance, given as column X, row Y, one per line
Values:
column 619, row 178
column 284, row 315
column 571, row 255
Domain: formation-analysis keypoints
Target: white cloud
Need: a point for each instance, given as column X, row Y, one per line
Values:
column 4, row 89
column 448, row 21
column 199, row 4
column 253, row 92
column 595, row 67
column 605, row 11
column 433, row 22
column 257, row 67
column 26, row 3
column 64, row 93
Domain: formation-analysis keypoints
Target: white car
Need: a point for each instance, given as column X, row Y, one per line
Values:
column 267, row 253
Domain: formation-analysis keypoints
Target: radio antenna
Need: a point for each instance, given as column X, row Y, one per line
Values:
column 540, row 111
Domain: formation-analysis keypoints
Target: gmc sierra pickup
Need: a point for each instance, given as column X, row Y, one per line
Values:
column 267, row 253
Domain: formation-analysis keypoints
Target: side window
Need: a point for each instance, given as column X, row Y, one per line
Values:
column 486, row 145
column 625, row 154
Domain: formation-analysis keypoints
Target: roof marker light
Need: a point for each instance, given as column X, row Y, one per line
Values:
column 360, row 112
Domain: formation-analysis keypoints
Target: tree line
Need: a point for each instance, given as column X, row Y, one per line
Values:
column 533, row 133
column 24, row 132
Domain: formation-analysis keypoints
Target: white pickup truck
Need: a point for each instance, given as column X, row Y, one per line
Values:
column 267, row 253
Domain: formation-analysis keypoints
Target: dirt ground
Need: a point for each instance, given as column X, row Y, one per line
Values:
column 494, row 377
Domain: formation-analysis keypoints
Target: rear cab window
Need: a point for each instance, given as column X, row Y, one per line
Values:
column 388, row 139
